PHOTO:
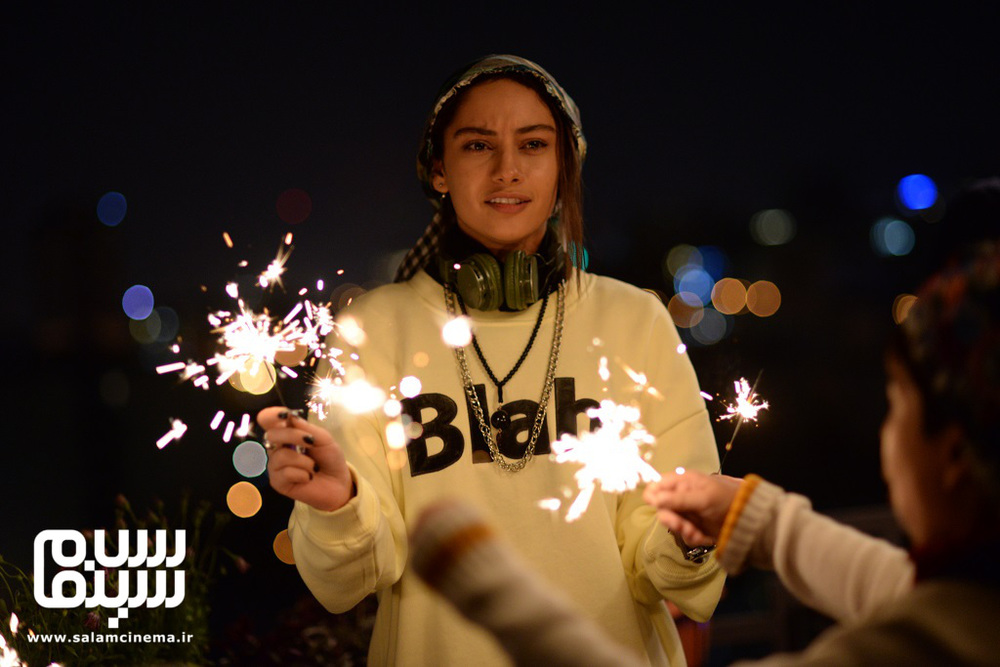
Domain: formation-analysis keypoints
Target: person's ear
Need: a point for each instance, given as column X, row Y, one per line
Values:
column 956, row 459
column 438, row 180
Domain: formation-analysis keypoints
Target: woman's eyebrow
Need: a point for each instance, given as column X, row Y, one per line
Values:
column 535, row 128
column 490, row 133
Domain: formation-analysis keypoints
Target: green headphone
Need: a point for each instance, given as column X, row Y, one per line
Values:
column 484, row 285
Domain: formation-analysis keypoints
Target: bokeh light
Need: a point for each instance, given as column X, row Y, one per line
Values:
column 457, row 332
column 250, row 459
column 917, row 192
column 111, row 208
column 713, row 261
column 891, row 237
column 773, row 226
column 684, row 314
column 243, row 499
column 344, row 294
column 901, row 307
column 255, row 378
column 137, row 302
column 712, row 328
column 729, row 296
column 292, row 357
column 395, row 435
column 146, row 331
column 694, row 285
column 680, row 256
column 170, row 324
column 282, row 546
column 763, row 298
column 421, row 359
column 409, row 386
column 351, row 331
column 294, row 206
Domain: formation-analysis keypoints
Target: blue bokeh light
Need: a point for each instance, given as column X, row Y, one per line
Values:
column 137, row 302
column 170, row 324
column 917, row 192
column 111, row 208
column 712, row 328
column 713, row 261
column 892, row 237
column 694, row 279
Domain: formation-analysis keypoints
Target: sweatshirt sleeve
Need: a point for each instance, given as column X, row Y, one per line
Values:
column 674, row 413
column 361, row 548
column 828, row 566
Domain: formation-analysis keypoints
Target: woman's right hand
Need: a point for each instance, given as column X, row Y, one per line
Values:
column 304, row 462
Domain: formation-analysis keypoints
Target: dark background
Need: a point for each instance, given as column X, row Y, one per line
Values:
column 698, row 115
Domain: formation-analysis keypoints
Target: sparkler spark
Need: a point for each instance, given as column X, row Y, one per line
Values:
column 8, row 655
column 610, row 457
column 745, row 408
column 357, row 396
column 177, row 429
column 272, row 274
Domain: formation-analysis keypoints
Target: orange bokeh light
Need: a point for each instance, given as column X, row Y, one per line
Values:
column 243, row 499
column 684, row 314
column 283, row 547
column 763, row 298
column 729, row 296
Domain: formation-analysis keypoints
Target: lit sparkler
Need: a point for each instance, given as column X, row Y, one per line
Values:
column 610, row 456
column 743, row 410
column 255, row 345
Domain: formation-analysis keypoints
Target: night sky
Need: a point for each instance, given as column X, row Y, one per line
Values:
column 698, row 115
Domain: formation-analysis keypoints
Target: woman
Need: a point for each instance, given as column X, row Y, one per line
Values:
column 939, row 603
column 500, row 161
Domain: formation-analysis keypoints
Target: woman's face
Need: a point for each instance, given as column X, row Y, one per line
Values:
column 913, row 462
column 500, row 166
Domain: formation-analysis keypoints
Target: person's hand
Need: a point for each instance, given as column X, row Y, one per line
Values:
column 303, row 460
column 692, row 504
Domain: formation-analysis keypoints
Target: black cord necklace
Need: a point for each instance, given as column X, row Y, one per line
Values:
column 501, row 418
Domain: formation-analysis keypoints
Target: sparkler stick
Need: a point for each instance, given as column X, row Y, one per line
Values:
column 744, row 409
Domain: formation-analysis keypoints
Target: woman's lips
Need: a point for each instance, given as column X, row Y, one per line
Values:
column 508, row 204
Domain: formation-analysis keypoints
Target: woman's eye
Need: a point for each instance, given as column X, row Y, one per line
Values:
column 535, row 144
column 476, row 146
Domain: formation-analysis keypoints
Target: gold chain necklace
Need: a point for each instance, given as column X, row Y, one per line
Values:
column 550, row 376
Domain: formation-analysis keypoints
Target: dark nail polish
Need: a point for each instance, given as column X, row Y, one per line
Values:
column 308, row 439
column 283, row 414
column 310, row 477
column 315, row 467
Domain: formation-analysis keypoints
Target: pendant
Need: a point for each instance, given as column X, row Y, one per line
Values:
column 500, row 419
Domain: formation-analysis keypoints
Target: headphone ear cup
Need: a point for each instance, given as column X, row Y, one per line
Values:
column 520, row 272
column 480, row 283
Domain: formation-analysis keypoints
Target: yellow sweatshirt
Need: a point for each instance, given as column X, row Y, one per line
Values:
column 615, row 562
